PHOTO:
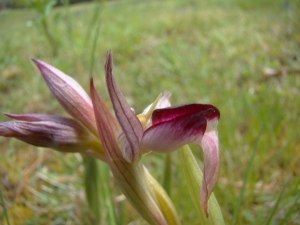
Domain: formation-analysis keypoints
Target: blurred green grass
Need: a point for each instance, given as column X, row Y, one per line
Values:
column 207, row 52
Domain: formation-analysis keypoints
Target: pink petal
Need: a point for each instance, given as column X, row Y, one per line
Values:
column 130, row 124
column 40, row 117
column 69, row 94
column 175, row 126
column 170, row 135
column 166, row 114
column 164, row 102
column 60, row 133
column 107, row 125
column 210, row 146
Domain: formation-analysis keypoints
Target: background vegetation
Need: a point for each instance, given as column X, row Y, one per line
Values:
column 217, row 52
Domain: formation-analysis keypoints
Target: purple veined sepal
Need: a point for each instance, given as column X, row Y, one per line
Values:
column 70, row 95
column 131, row 126
column 174, row 127
column 51, row 131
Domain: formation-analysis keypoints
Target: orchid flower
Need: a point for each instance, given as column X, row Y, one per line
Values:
column 121, row 140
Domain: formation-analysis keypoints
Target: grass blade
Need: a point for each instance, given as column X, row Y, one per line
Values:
column 68, row 20
column 293, row 207
column 240, row 199
column 4, row 207
column 272, row 213
column 105, row 192
column 97, row 13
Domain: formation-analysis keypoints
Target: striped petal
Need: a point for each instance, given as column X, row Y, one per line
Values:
column 69, row 94
column 57, row 132
column 166, row 114
column 129, row 122
column 172, row 134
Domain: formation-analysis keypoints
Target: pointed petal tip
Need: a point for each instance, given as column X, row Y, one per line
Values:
column 41, row 65
column 10, row 115
column 92, row 87
column 37, row 62
column 205, row 208
column 91, row 82
column 34, row 60
column 109, row 61
column 204, row 204
column 15, row 116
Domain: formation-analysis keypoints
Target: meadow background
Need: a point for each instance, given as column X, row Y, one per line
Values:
column 241, row 56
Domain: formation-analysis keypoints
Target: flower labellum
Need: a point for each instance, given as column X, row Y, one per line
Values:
column 174, row 127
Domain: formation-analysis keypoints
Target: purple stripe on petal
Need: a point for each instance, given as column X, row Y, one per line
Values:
column 107, row 125
column 40, row 117
column 169, row 135
column 62, row 134
column 166, row 114
column 129, row 122
column 175, row 126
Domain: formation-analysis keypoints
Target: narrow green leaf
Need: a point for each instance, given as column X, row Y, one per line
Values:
column 97, row 13
column 92, row 188
column 94, row 20
column 105, row 192
column 68, row 20
column 240, row 199
column 294, row 205
column 272, row 213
